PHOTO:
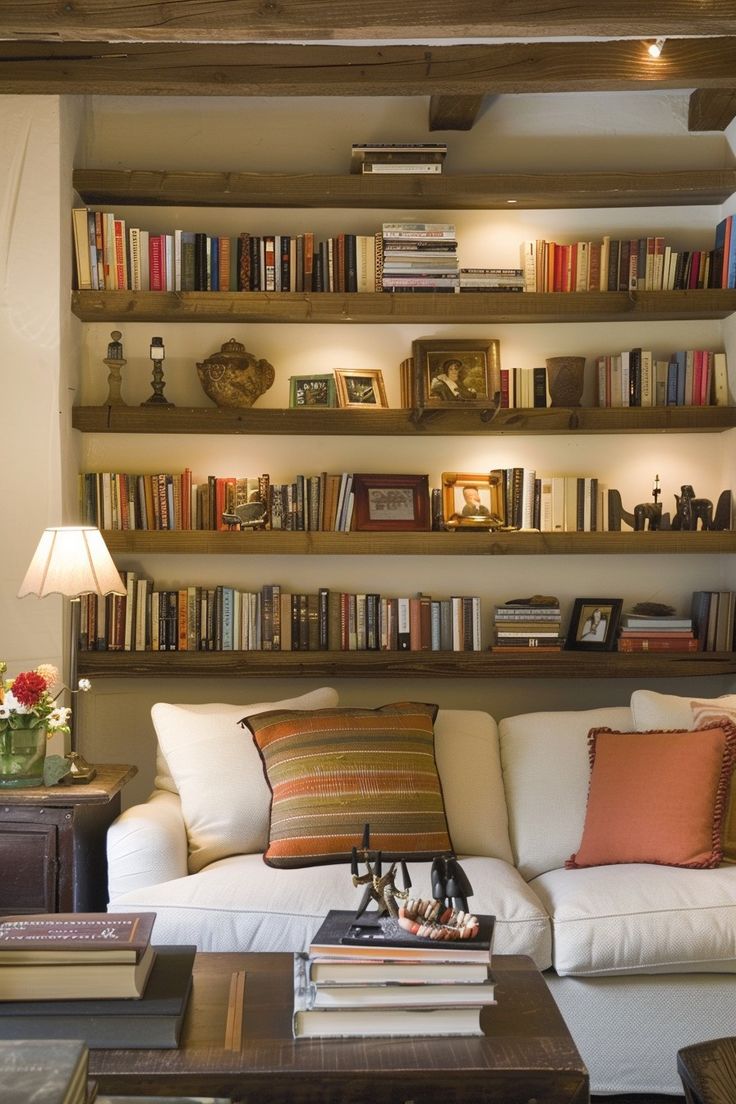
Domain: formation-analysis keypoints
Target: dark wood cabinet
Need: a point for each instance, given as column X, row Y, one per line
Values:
column 52, row 844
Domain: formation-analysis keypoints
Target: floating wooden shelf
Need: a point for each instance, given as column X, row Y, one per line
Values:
column 327, row 665
column 444, row 191
column 358, row 423
column 270, row 543
column 401, row 307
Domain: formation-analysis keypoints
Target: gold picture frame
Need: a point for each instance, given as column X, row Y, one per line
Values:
column 457, row 372
column 361, row 388
column 473, row 500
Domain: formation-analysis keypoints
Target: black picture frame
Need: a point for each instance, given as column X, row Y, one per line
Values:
column 585, row 633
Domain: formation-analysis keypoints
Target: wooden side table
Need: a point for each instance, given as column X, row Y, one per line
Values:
column 52, row 843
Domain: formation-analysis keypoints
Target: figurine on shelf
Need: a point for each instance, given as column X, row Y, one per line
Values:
column 690, row 510
column 646, row 515
column 115, row 361
column 157, row 354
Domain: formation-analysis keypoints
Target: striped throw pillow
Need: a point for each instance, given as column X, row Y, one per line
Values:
column 331, row 771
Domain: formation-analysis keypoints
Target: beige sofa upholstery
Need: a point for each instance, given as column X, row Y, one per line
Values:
column 640, row 958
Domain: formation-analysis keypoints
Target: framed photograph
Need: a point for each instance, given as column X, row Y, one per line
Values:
column 452, row 372
column 360, row 388
column 312, row 390
column 473, row 500
column 593, row 624
column 391, row 503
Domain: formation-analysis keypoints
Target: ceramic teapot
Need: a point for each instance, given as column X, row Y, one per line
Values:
column 233, row 376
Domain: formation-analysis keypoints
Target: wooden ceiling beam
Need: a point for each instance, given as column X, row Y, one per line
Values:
column 454, row 112
column 310, row 20
column 317, row 70
column 711, row 108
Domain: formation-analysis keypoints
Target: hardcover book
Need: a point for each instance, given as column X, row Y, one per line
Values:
column 340, row 934
column 61, row 980
column 75, row 937
column 55, row 1073
column 153, row 1022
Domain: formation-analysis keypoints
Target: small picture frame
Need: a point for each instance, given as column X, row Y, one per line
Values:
column 310, row 391
column 594, row 624
column 360, row 387
column 391, row 503
column 450, row 373
column 473, row 500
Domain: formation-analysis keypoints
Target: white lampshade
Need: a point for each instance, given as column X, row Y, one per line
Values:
column 71, row 560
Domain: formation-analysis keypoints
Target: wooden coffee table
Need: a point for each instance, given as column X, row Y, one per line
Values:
column 237, row 1043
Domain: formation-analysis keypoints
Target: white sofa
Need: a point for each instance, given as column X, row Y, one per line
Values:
column 639, row 957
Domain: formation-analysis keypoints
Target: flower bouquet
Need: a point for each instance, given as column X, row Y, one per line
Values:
column 29, row 715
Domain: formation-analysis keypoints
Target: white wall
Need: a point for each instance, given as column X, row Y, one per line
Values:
column 525, row 133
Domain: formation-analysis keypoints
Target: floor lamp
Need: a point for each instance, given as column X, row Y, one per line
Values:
column 72, row 561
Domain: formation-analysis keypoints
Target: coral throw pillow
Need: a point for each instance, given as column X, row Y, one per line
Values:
column 331, row 771
column 657, row 797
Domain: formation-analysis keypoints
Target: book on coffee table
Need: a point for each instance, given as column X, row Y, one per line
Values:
column 52, row 1072
column 153, row 1021
column 341, row 935
column 75, row 937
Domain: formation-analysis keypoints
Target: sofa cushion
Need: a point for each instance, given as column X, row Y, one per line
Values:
column 241, row 903
column 217, row 772
column 546, row 773
column 331, row 771
column 640, row 918
column 657, row 797
column 652, row 710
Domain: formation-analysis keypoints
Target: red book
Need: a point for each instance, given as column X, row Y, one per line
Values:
column 655, row 644
column 121, row 261
column 156, row 263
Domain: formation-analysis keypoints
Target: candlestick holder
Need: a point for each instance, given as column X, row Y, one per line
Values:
column 115, row 361
column 157, row 354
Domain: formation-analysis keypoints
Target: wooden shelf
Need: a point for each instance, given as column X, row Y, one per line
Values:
column 327, row 665
column 401, row 307
column 390, row 423
column 270, row 543
column 445, row 191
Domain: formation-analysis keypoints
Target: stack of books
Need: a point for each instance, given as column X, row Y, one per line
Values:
column 47, row 1072
column 491, row 279
column 372, row 978
column 399, row 157
column 521, row 627
column 90, row 976
column 642, row 633
column 419, row 256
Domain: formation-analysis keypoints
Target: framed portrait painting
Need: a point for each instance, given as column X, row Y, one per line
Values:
column 594, row 624
column 360, row 388
column 391, row 503
column 451, row 373
column 473, row 500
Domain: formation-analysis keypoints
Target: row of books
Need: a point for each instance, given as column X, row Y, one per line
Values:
column 635, row 264
column 224, row 618
column 688, row 377
column 520, row 626
column 298, row 262
column 94, row 977
column 713, row 616
column 524, row 499
column 392, row 984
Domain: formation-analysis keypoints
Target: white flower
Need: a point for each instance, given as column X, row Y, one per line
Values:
column 4, row 710
column 84, row 685
column 58, row 717
column 14, row 706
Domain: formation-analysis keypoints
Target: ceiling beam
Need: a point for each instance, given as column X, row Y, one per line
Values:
column 288, row 70
column 309, row 20
column 711, row 108
column 454, row 112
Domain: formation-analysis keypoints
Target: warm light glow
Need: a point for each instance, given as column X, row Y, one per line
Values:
column 654, row 49
column 71, row 560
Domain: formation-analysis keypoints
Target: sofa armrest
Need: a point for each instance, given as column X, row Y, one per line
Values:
column 147, row 844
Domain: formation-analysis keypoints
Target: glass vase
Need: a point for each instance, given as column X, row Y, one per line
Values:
column 22, row 756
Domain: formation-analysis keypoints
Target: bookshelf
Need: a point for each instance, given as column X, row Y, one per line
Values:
column 445, row 192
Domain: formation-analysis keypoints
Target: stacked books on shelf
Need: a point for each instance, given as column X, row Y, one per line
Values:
column 491, row 279
column 223, row 618
column 525, row 625
column 392, row 983
column 44, row 1071
column 419, row 256
column 713, row 620
column 687, row 377
column 397, row 157
column 635, row 264
column 643, row 633
column 94, row 977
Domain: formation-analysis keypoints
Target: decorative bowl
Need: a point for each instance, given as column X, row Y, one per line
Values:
column 234, row 377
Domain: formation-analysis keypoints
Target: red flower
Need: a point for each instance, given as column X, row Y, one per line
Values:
column 28, row 688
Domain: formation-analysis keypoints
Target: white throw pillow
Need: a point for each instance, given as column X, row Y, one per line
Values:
column 218, row 773
column 661, row 711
